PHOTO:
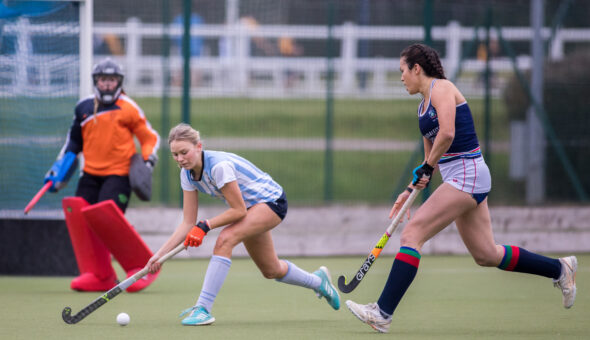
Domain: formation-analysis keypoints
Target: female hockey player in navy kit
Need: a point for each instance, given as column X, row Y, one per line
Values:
column 256, row 204
column 450, row 143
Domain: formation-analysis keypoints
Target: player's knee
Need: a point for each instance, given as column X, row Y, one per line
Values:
column 225, row 241
column 411, row 238
column 404, row 239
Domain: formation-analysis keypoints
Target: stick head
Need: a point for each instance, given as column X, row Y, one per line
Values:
column 66, row 315
column 347, row 288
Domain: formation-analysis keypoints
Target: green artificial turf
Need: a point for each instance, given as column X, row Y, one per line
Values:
column 451, row 298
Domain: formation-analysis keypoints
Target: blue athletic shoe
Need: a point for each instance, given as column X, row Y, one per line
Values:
column 198, row 316
column 326, row 288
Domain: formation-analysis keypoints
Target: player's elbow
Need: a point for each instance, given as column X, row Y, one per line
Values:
column 446, row 136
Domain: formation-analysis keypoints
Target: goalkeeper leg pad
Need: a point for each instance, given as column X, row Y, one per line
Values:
column 123, row 241
column 93, row 258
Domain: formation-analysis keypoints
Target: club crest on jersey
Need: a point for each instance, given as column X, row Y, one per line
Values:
column 432, row 113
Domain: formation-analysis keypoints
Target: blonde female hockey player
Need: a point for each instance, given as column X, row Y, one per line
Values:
column 256, row 204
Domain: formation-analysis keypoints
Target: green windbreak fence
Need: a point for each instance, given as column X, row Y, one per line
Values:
column 308, row 90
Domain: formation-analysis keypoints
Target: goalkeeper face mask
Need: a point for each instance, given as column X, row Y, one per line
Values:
column 107, row 88
column 108, row 81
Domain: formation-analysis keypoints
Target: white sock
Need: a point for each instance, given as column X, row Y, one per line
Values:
column 214, row 278
column 299, row 277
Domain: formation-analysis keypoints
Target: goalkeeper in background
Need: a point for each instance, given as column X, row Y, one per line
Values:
column 103, row 129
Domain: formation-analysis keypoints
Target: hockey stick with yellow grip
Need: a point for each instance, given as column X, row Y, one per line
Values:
column 360, row 274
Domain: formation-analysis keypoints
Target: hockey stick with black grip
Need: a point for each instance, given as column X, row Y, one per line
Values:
column 349, row 287
column 66, row 314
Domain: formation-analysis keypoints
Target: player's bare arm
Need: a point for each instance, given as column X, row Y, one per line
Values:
column 443, row 99
column 237, row 207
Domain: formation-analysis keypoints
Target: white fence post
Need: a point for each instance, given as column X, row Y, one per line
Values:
column 557, row 46
column 24, row 50
column 133, row 51
column 242, row 54
column 454, row 39
column 348, row 57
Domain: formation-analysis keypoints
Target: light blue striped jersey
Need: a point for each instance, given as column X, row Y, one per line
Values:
column 220, row 168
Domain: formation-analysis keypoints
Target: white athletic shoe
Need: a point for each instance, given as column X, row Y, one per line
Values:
column 567, row 280
column 370, row 314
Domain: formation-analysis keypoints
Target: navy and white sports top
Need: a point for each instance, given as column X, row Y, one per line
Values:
column 220, row 168
column 465, row 143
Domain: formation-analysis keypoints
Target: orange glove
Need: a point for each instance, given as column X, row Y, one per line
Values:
column 194, row 238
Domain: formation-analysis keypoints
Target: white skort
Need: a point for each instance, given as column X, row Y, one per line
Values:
column 470, row 175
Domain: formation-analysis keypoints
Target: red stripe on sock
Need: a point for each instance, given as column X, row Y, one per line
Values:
column 409, row 259
column 514, row 258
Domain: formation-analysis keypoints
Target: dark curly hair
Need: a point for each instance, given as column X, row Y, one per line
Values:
column 426, row 57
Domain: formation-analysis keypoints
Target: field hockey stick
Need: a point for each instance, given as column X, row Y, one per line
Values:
column 37, row 196
column 347, row 288
column 66, row 314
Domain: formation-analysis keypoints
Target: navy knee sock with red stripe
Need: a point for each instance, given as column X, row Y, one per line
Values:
column 401, row 276
column 520, row 260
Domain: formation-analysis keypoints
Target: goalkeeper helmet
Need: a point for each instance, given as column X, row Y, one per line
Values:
column 107, row 67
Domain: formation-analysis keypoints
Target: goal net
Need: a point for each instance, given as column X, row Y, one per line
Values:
column 39, row 87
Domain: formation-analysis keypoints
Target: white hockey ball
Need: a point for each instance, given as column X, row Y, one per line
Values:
column 123, row 319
